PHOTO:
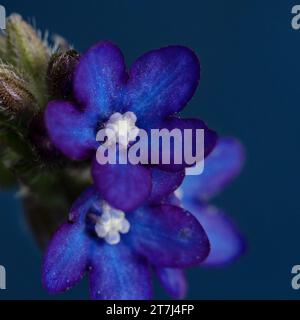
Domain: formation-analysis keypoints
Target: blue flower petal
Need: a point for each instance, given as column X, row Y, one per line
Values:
column 164, row 183
column 220, row 168
column 210, row 140
column 66, row 258
column 123, row 186
column 71, row 131
column 173, row 281
column 99, row 79
column 226, row 242
column 168, row 236
column 83, row 204
column 161, row 82
column 117, row 273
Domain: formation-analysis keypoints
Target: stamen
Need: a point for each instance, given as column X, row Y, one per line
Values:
column 110, row 224
column 121, row 128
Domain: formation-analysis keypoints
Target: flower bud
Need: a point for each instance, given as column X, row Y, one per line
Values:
column 3, row 53
column 29, row 54
column 25, row 47
column 15, row 96
column 60, row 74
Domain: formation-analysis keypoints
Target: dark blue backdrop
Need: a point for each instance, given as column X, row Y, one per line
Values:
column 250, row 89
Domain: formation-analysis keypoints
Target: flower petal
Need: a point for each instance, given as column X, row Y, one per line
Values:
column 72, row 132
column 123, row 186
column 168, row 236
column 99, row 79
column 161, row 82
column 173, row 281
column 226, row 242
column 187, row 144
column 117, row 273
column 66, row 258
column 164, row 183
column 83, row 204
column 220, row 168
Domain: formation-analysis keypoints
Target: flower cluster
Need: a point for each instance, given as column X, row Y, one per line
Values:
column 156, row 87
column 131, row 219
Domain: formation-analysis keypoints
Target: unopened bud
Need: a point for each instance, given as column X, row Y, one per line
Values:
column 27, row 50
column 29, row 54
column 3, row 53
column 60, row 74
column 15, row 97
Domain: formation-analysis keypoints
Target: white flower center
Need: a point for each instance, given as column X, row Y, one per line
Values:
column 110, row 224
column 121, row 128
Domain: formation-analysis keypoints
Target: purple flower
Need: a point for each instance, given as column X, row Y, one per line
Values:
column 227, row 244
column 117, row 249
column 157, row 86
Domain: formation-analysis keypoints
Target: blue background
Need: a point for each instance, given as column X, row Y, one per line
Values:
column 250, row 59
